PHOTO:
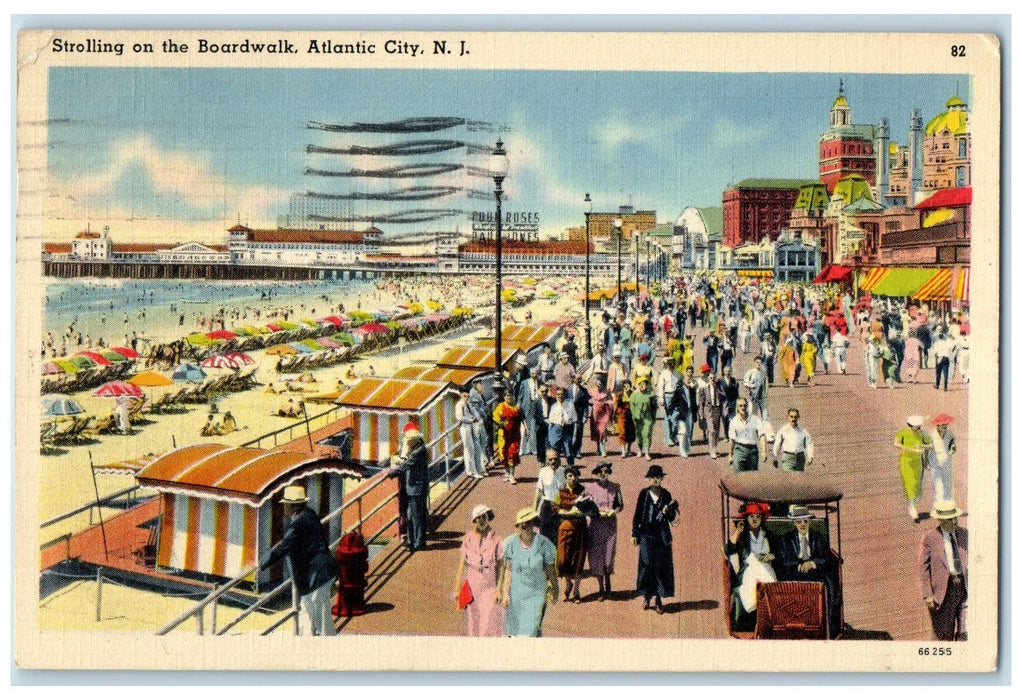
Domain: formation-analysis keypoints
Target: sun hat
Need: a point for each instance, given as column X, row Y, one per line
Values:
column 755, row 508
column 915, row 420
column 655, row 471
column 603, row 467
column 525, row 515
column 945, row 510
column 799, row 513
column 411, row 431
column 481, row 509
column 705, row 369
column 294, row 495
column 942, row 419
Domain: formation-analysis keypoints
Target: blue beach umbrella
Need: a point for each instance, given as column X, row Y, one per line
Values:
column 188, row 372
column 60, row 405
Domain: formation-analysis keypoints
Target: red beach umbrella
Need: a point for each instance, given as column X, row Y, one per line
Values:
column 118, row 388
column 221, row 335
column 240, row 358
column 220, row 362
column 127, row 352
column 95, row 357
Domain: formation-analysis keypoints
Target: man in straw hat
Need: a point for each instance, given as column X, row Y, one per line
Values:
column 943, row 572
column 528, row 579
column 913, row 443
column 313, row 567
column 805, row 555
column 413, row 467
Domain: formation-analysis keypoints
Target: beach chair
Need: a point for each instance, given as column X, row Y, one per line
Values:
column 136, row 407
column 103, row 426
column 46, row 431
column 160, row 404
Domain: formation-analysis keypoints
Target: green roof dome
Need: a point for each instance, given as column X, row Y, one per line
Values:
column 954, row 120
column 955, row 101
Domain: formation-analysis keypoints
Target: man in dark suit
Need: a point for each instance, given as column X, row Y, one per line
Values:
column 805, row 556
column 943, row 569
column 413, row 466
column 313, row 567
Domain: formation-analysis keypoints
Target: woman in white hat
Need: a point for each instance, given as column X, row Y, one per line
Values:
column 528, row 579
column 913, row 443
column 482, row 554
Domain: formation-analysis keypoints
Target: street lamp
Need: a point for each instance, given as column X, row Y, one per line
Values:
column 617, row 226
column 647, row 265
column 498, row 168
column 585, row 300
column 635, row 237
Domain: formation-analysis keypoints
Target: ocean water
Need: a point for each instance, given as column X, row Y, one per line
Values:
column 112, row 309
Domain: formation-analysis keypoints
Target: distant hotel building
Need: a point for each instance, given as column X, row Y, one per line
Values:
column 758, row 208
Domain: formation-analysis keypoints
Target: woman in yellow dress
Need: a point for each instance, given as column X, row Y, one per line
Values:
column 809, row 356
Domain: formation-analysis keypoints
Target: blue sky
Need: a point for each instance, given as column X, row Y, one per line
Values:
column 178, row 154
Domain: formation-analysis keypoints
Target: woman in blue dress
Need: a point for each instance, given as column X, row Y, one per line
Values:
column 528, row 579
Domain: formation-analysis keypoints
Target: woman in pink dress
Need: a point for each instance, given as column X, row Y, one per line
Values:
column 603, row 526
column 910, row 363
column 599, row 418
column 481, row 555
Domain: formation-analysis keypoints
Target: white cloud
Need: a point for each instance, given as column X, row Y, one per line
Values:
column 176, row 176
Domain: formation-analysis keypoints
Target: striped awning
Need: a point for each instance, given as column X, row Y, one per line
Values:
column 755, row 273
column 947, row 284
column 902, row 281
column 872, row 278
column 394, row 395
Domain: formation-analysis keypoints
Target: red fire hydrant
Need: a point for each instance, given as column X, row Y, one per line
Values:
column 352, row 565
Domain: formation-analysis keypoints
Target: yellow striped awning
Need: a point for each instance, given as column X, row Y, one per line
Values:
column 873, row 278
column 948, row 284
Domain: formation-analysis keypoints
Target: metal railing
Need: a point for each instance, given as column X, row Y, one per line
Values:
column 130, row 491
column 307, row 425
column 451, row 467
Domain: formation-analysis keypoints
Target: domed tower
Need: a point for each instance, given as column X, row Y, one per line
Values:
column 947, row 148
column 846, row 148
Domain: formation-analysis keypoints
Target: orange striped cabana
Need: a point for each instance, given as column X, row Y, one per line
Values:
column 220, row 508
column 478, row 358
column 432, row 373
column 380, row 408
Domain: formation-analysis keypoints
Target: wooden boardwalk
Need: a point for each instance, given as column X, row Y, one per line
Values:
column 853, row 427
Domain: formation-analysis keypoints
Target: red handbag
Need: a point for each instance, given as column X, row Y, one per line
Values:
column 465, row 595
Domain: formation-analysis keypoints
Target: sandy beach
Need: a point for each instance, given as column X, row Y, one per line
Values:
column 66, row 478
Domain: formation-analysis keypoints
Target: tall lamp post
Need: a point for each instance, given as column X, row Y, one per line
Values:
column 585, row 300
column 635, row 235
column 647, row 265
column 617, row 226
column 498, row 168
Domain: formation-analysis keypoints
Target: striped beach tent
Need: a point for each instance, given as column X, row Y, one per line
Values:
column 381, row 407
column 220, row 509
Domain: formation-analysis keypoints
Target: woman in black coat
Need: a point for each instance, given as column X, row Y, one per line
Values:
column 655, row 510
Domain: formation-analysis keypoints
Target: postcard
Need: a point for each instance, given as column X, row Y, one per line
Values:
column 464, row 346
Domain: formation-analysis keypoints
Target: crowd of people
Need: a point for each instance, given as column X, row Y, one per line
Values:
column 667, row 362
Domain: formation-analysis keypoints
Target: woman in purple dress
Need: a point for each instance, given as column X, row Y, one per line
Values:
column 600, row 417
column 482, row 554
column 603, row 527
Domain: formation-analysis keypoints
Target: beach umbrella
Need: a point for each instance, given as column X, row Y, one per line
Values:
column 221, row 335
column 126, row 352
column 346, row 339
column 83, row 362
column 202, row 339
column 150, row 379
column 300, row 347
column 274, row 327
column 312, row 344
column 374, row 328
column 220, row 362
column 94, row 356
column 60, row 405
column 188, row 372
column 281, row 350
column 68, row 366
column 240, row 357
column 328, row 342
column 240, row 332
column 52, row 368
column 117, row 388
column 334, row 320
column 287, row 325
column 114, row 356
column 254, row 330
